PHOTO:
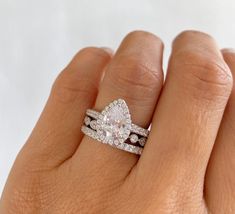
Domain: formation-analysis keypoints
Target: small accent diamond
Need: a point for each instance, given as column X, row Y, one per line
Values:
column 133, row 138
column 93, row 124
column 142, row 141
column 87, row 121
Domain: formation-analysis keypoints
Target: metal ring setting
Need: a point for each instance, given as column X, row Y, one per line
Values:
column 113, row 126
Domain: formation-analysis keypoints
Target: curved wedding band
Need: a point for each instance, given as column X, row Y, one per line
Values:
column 113, row 126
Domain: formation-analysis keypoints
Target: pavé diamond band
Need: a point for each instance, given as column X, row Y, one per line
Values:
column 113, row 126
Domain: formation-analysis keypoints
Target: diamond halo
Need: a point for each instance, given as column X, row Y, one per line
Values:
column 113, row 126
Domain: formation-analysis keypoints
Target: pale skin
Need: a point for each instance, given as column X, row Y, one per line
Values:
column 188, row 164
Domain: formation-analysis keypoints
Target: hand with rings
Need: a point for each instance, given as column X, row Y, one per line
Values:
column 116, row 138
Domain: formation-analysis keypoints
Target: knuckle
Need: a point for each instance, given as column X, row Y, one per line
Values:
column 138, row 34
column 71, row 86
column 91, row 52
column 129, row 74
column 207, row 73
column 189, row 33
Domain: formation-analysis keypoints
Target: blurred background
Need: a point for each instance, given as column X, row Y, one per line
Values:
column 38, row 38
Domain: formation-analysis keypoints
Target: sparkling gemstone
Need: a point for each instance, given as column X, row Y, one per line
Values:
column 142, row 141
column 87, row 121
column 134, row 138
column 116, row 142
column 115, row 123
column 93, row 124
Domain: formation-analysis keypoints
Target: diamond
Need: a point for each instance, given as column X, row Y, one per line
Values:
column 115, row 122
column 93, row 124
column 134, row 138
column 116, row 142
column 87, row 121
column 142, row 141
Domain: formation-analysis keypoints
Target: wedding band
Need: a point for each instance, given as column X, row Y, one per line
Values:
column 113, row 126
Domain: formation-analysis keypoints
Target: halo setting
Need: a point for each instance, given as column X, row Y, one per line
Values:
column 114, row 122
column 113, row 126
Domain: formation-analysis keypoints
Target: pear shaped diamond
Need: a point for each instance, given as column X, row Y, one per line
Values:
column 114, row 123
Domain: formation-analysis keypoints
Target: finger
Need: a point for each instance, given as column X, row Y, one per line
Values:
column 135, row 75
column 220, row 176
column 188, row 114
column 57, row 133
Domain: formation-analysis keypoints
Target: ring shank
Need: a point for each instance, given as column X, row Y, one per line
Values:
column 126, row 147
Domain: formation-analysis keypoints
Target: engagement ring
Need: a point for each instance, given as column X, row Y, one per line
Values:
column 113, row 126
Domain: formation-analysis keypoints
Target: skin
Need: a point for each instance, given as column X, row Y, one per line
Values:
column 188, row 164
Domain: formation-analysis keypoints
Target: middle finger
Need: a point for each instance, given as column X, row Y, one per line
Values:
column 189, row 112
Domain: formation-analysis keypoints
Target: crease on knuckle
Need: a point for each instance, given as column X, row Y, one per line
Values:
column 211, row 77
column 141, row 79
column 66, row 88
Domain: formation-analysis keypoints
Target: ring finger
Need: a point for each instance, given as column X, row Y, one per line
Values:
column 135, row 75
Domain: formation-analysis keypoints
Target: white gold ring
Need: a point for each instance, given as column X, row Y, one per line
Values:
column 113, row 126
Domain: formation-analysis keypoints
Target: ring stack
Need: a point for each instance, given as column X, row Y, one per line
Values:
column 113, row 126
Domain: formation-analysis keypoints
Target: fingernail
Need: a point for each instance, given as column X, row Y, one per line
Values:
column 108, row 50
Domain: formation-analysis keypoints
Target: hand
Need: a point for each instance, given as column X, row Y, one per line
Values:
column 188, row 163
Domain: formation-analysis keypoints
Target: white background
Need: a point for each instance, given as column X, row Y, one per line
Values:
column 38, row 38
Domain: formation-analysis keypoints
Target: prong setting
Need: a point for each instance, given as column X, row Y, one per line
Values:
column 113, row 126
